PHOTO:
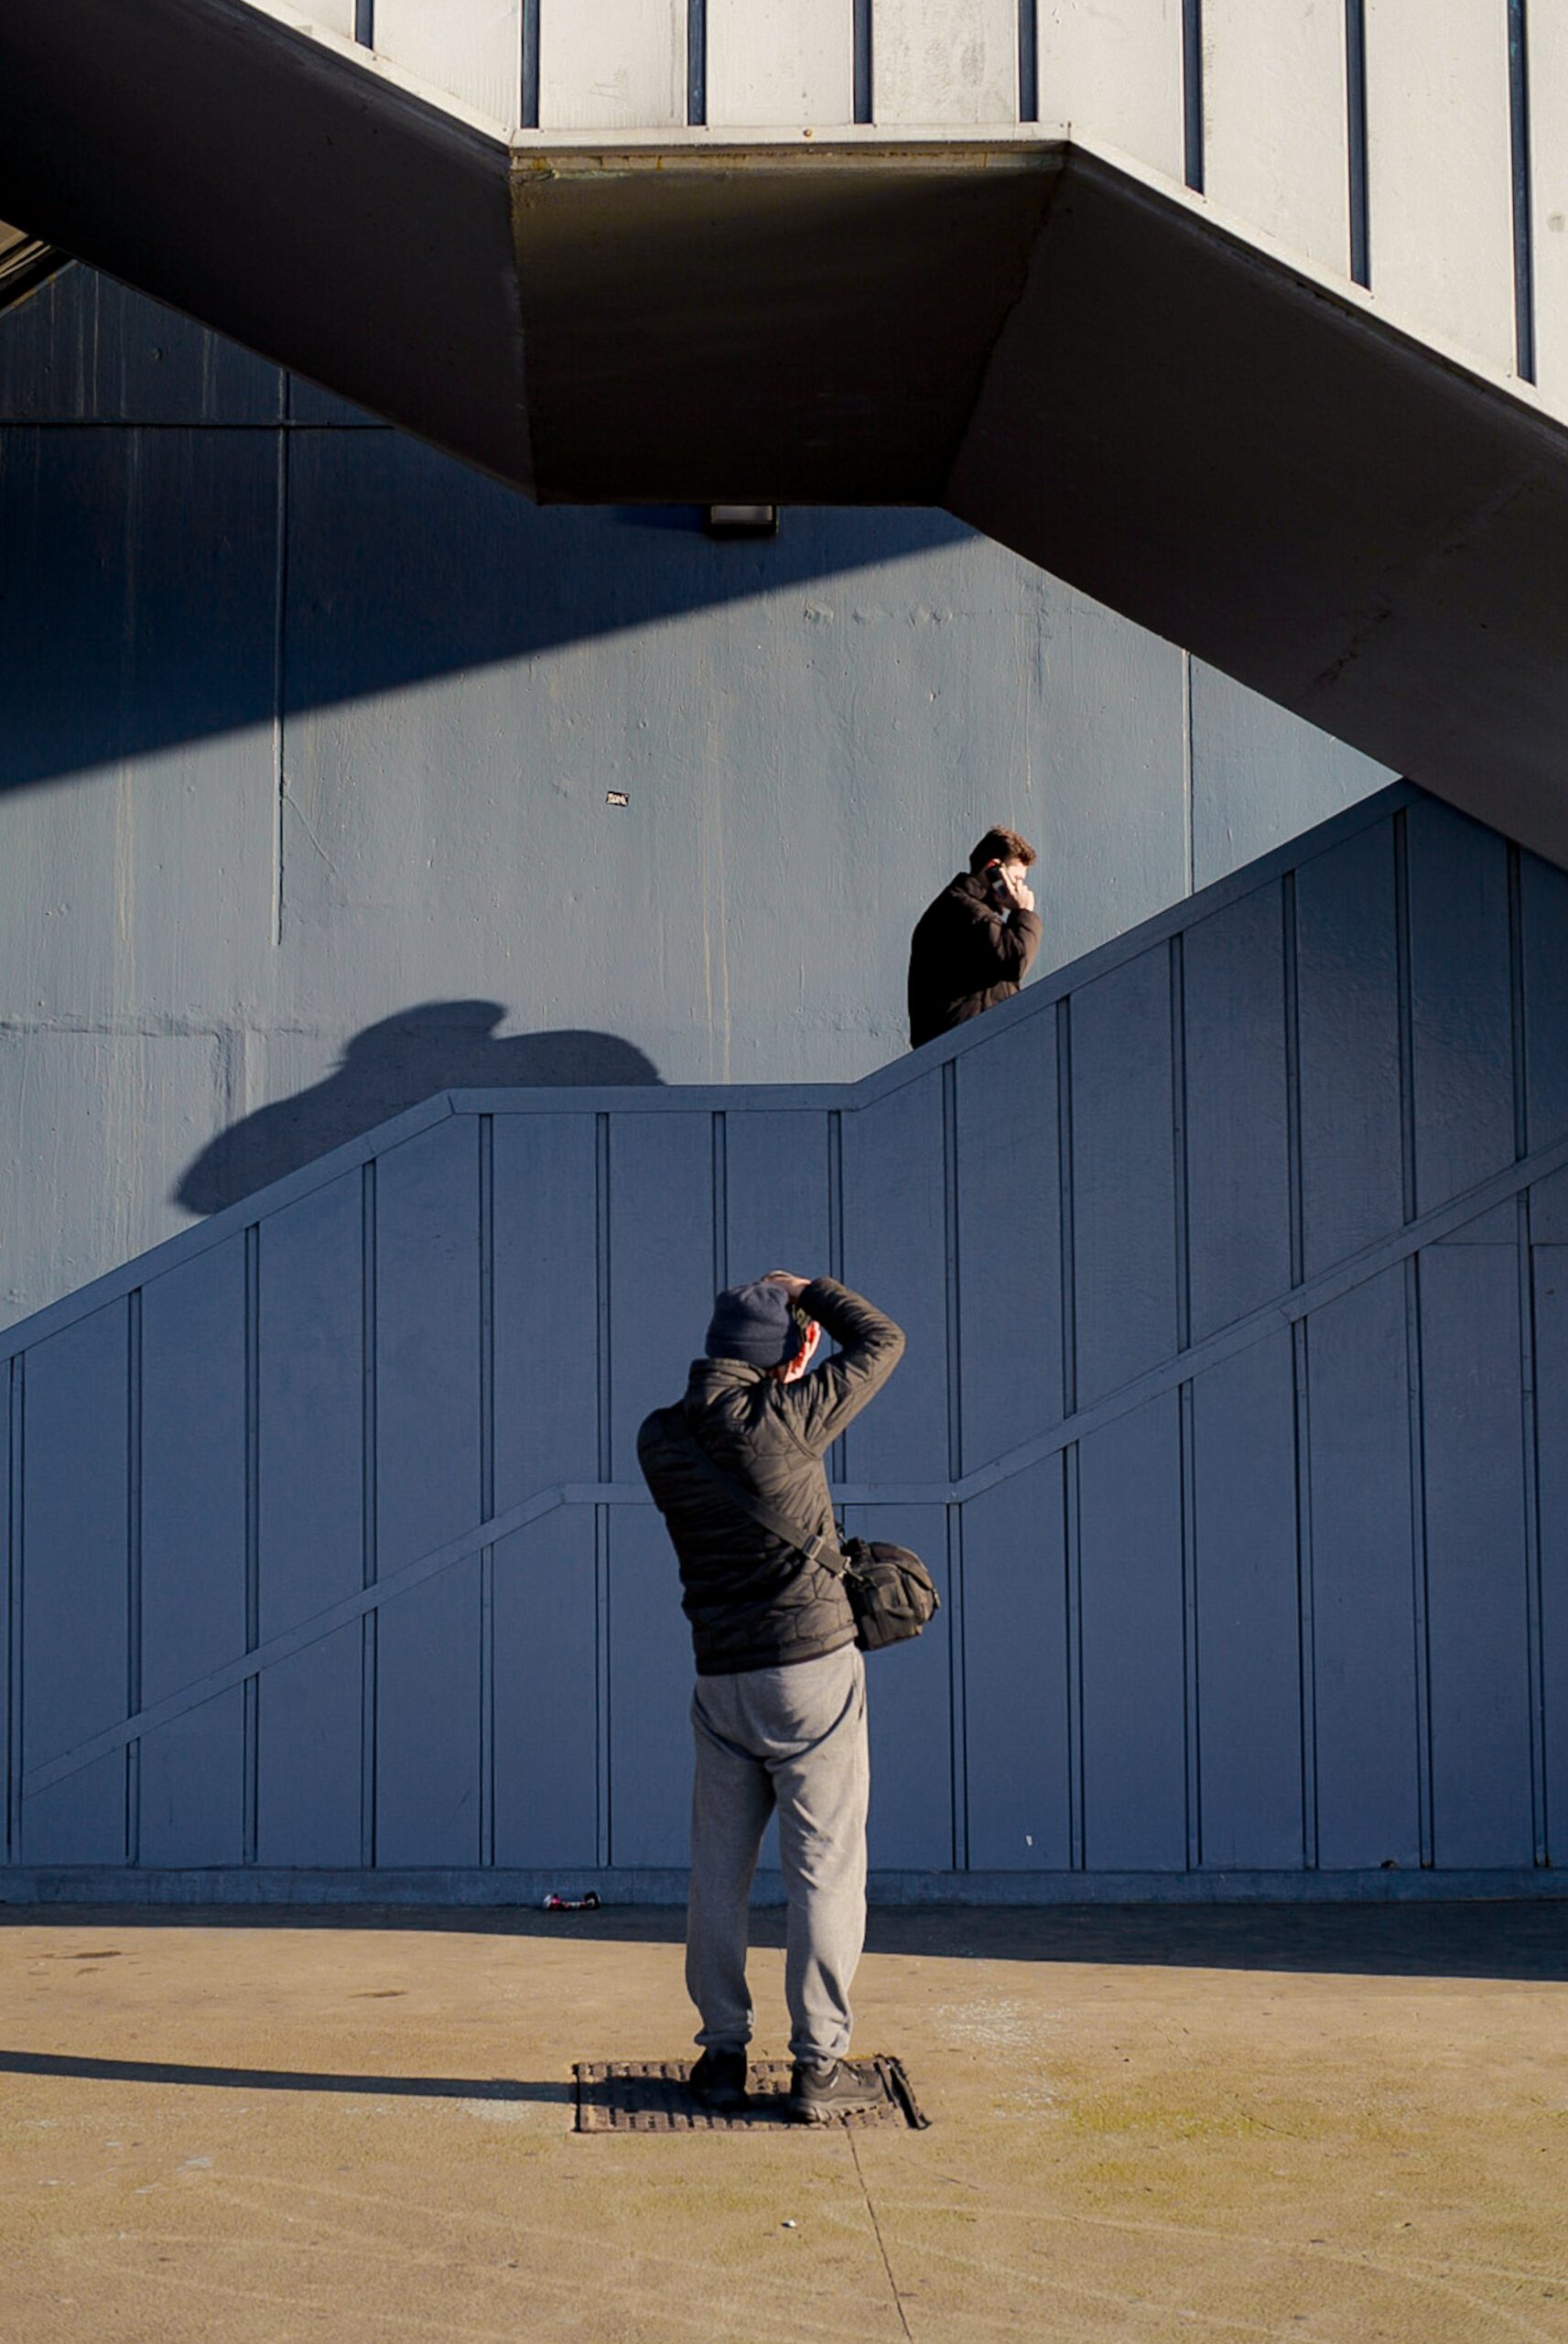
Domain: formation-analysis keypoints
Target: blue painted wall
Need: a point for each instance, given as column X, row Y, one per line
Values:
column 307, row 738
column 325, row 1547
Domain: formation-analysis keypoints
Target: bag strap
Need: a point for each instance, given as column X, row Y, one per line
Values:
column 819, row 1547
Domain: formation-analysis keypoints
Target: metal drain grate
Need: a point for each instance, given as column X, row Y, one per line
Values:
column 654, row 2096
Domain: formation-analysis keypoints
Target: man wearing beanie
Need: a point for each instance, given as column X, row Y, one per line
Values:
column 779, row 1713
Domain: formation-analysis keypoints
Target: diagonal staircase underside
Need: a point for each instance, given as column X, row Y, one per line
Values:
column 1069, row 352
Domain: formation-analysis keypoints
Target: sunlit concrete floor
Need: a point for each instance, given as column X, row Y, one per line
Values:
column 1304, row 2122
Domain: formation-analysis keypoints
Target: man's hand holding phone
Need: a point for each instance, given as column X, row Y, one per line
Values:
column 1010, row 887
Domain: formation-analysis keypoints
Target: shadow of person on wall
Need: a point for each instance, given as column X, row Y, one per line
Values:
column 391, row 1066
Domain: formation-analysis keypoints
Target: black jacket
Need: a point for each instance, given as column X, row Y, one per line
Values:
column 751, row 1602
column 967, row 954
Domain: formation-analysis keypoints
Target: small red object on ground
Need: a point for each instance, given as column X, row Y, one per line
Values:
column 589, row 1904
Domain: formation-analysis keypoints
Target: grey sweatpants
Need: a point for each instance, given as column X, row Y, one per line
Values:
column 793, row 1739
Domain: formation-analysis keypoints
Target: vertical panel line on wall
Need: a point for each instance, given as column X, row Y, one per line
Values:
column 601, row 1285
column 486, row 1488
column 1406, row 1014
column 1516, row 1003
column 721, row 1201
column 1414, row 1385
column 1533, row 1615
column 1072, row 1546
column 364, row 23
column 602, row 1629
column 952, row 1272
column 951, row 1268
column 1065, row 1205
column 252, row 1698
column 1187, row 1450
column 134, row 1569
column 603, row 1816
column 14, row 1565
column 1189, row 853
column 835, row 1245
column 1179, row 1143
column 696, row 60
column 368, row 1512
column 863, row 60
column 1185, row 1416
column 1028, row 60
column 1356, row 141
column 528, row 77
column 1192, row 94
column 1301, row 1369
column 280, row 687
column 1292, row 1078
column 1523, row 220
column 957, row 1711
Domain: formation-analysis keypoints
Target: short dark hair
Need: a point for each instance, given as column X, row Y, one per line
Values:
column 1001, row 846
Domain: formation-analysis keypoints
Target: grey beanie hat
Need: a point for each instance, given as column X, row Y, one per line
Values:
column 756, row 1323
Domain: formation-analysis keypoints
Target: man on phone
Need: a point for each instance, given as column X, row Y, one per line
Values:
column 973, row 947
column 779, row 1713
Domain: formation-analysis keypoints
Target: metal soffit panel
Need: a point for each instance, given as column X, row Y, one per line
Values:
column 794, row 326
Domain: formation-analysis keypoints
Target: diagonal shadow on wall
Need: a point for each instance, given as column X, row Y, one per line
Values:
column 176, row 564
column 390, row 1066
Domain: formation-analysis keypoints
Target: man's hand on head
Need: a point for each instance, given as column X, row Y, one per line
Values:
column 1011, row 888
column 794, row 1288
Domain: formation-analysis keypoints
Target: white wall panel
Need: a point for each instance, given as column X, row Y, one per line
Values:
column 613, row 65
column 780, row 62
column 1549, row 195
column 1439, row 170
column 472, row 47
column 943, row 61
column 1114, row 72
column 1274, row 121
column 333, row 16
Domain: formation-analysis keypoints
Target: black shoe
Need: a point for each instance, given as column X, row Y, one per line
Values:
column 719, row 2082
column 818, row 2094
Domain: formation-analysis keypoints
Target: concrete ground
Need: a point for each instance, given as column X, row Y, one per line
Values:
column 1301, row 2122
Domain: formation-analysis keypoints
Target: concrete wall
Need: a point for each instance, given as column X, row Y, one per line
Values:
column 325, row 1550
column 309, row 739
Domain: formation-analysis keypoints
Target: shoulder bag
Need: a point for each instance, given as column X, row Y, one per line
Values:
column 889, row 1590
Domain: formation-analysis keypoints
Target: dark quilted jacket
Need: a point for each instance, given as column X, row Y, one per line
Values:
column 750, row 1600
column 967, row 954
